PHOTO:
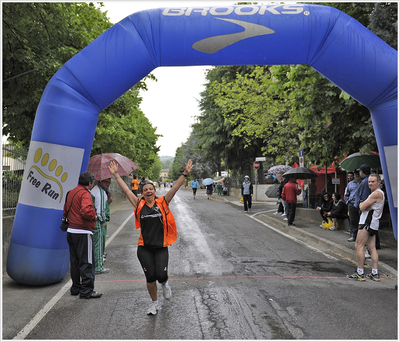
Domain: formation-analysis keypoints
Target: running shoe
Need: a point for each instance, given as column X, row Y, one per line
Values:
column 152, row 310
column 167, row 292
column 356, row 276
column 333, row 228
column 374, row 277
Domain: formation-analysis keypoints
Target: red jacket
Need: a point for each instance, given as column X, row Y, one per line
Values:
column 290, row 192
column 81, row 213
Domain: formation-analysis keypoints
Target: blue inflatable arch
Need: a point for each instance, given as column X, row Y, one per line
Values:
column 334, row 44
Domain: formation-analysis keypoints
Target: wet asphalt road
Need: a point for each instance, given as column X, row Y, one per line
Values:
column 232, row 277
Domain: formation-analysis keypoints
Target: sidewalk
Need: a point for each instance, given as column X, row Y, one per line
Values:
column 307, row 228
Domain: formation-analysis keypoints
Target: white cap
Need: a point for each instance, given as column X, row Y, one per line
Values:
column 247, row 177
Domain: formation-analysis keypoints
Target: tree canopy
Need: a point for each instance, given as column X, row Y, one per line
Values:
column 38, row 38
column 273, row 111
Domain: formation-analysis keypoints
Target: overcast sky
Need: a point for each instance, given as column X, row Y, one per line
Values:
column 171, row 103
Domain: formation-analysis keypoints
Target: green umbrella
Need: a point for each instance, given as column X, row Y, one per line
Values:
column 355, row 160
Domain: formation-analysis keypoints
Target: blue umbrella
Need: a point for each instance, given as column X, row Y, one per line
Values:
column 207, row 181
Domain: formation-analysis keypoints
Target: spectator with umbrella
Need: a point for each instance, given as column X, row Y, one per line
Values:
column 98, row 165
column 294, row 188
column 289, row 194
column 209, row 184
column 102, row 200
column 157, row 231
column 209, row 190
column 279, row 170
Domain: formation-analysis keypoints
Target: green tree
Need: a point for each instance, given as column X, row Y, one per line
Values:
column 384, row 22
column 123, row 128
column 279, row 109
column 38, row 38
column 329, row 124
column 257, row 114
column 215, row 139
column 178, row 163
column 156, row 170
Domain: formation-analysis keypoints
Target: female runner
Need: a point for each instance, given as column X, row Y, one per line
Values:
column 157, row 232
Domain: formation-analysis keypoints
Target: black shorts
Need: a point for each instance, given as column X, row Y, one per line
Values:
column 194, row 191
column 371, row 231
column 154, row 262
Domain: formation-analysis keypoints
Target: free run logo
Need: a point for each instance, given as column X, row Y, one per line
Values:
column 213, row 44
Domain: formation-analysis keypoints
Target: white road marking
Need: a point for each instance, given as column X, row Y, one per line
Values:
column 292, row 237
column 53, row 301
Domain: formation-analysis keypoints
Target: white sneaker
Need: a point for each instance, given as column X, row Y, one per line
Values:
column 167, row 292
column 152, row 310
column 285, row 219
column 333, row 228
column 367, row 255
column 283, row 214
column 275, row 213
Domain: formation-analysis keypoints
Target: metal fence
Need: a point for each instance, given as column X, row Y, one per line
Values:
column 13, row 162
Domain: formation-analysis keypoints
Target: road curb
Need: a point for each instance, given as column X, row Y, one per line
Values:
column 340, row 250
column 335, row 248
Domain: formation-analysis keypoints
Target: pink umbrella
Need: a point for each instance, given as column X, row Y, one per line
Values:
column 98, row 165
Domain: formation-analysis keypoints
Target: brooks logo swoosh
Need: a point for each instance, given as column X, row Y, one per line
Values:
column 213, row 44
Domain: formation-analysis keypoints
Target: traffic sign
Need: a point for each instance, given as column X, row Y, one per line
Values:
column 256, row 165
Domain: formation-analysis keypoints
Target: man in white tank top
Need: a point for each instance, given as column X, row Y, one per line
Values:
column 371, row 212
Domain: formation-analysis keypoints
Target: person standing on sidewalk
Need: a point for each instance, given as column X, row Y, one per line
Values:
column 157, row 231
column 289, row 194
column 219, row 189
column 81, row 222
column 101, row 204
column 350, row 197
column 362, row 194
column 371, row 212
column 247, row 193
column 363, row 190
